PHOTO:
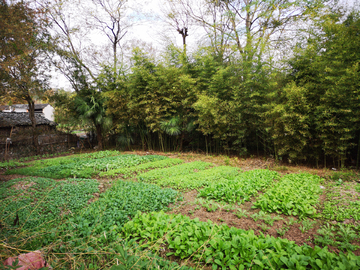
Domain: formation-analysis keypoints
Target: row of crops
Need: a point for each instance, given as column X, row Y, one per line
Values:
column 295, row 194
column 128, row 220
column 84, row 165
column 230, row 248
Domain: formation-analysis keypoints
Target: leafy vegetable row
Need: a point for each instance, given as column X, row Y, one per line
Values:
column 82, row 167
column 199, row 179
column 127, row 172
column 157, row 176
column 294, row 194
column 241, row 188
column 230, row 248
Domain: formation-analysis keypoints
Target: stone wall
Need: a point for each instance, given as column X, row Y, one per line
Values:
column 50, row 141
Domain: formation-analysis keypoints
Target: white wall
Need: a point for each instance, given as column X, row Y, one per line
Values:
column 49, row 112
column 12, row 109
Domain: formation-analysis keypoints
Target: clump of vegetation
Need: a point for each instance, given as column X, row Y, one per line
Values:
column 200, row 179
column 339, row 235
column 294, row 194
column 11, row 164
column 343, row 175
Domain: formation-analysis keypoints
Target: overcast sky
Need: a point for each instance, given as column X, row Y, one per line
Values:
column 150, row 28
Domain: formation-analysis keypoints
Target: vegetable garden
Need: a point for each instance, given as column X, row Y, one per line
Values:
column 158, row 212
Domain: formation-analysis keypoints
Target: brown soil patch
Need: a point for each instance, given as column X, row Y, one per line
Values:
column 23, row 186
column 6, row 178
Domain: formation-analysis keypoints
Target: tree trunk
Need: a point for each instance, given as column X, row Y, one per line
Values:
column 115, row 56
column 33, row 124
column 181, row 141
column 358, row 155
column 99, row 136
column 184, row 33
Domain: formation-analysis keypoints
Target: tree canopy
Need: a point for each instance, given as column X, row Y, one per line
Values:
column 276, row 78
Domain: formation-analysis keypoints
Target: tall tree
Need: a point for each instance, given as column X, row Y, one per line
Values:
column 80, row 65
column 178, row 19
column 23, row 41
column 251, row 25
column 112, row 19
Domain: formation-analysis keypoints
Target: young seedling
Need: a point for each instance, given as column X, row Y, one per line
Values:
column 263, row 227
column 282, row 231
column 291, row 221
column 257, row 216
column 268, row 219
column 307, row 224
column 229, row 207
column 241, row 213
column 211, row 207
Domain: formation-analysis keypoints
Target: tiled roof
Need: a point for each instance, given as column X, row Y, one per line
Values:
column 11, row 119
column 24, row 106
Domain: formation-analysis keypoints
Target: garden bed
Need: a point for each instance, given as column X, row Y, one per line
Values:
column 121, row 213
